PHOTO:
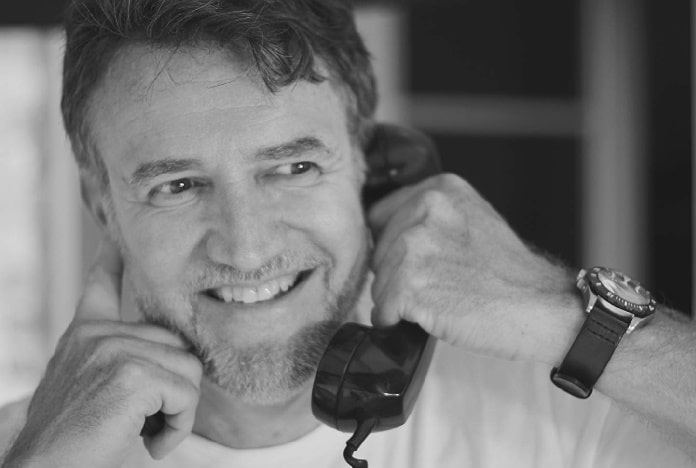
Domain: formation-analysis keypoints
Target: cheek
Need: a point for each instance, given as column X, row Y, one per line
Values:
column 334, row 220
column 159, row 249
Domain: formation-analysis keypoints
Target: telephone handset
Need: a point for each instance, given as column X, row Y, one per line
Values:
column 368, row 378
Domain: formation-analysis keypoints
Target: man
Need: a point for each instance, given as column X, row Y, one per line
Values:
column 220, row 147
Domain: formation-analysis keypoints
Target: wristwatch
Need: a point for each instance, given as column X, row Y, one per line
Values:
column 616, row 305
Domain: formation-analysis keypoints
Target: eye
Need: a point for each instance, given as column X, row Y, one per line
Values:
column 176, row 187
column 175, row 192
column 297, row 168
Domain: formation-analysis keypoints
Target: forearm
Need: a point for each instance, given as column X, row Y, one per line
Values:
column 653, row 373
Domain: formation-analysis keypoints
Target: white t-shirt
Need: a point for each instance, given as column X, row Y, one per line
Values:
column 473, row 412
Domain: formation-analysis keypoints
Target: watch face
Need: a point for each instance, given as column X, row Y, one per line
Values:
column 624, row 287
column 622, row 291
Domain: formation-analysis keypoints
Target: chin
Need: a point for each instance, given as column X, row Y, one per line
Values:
column 268, row 364
column 269, row 373
column 259, row 369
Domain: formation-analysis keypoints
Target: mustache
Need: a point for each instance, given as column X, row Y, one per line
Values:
column 214, row 274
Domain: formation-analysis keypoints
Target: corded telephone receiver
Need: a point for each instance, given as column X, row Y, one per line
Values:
column 368, row 378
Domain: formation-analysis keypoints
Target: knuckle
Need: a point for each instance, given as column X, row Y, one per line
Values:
column 449, row 182
column 186, row 390
column 193, row 392
column 129, row 371
column 433, row 200
column 397, row 304
column 108, row 346
column 92, row 284
column 456, row 186
column 82, row 331
column 414, row 239
column 194, row 364
column 449, row 179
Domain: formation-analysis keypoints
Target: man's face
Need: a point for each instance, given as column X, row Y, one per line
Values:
column 238, row 210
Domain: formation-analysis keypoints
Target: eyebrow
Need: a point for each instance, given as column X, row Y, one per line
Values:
column 149, row 170
column 291, row 149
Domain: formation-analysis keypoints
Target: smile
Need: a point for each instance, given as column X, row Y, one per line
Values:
column 267, row 291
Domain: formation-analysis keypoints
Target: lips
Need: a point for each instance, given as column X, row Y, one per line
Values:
column 267, row 291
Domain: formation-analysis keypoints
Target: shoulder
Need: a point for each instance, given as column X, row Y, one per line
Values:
column 12, row 417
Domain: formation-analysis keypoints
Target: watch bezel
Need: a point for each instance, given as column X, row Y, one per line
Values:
column 595, row 283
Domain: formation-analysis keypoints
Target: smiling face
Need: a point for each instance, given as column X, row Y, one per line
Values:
column 237, row 210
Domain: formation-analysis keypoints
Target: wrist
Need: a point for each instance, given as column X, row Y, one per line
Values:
column 559, row 315
column 615, row 305
column 29, row 450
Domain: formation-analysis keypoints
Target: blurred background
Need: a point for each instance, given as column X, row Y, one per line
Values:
column 572, row 117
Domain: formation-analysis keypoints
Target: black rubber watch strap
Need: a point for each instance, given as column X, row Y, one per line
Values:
column 590, row 353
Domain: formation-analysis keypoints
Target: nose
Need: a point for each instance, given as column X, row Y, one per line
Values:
column 245, row 229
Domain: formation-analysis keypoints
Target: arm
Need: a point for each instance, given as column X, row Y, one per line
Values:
column 653, row 373
column 446, row 260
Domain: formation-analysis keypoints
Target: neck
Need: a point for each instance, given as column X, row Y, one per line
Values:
column 226, row 420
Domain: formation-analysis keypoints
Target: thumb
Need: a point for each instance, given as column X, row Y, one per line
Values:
column 101, row 297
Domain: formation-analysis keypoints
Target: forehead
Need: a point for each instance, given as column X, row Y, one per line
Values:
column 152, row 98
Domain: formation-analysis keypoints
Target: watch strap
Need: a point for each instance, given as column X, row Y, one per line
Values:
column 590, row 352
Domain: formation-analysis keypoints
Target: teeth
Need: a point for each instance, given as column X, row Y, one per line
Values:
column 285, row 283
column 226, row 294
column 263, row 292
column 249, row 295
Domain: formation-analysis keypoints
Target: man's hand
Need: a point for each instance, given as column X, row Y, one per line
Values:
column 105, row 378
column 446, row 260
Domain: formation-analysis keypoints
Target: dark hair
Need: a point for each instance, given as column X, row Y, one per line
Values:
column 282, row 38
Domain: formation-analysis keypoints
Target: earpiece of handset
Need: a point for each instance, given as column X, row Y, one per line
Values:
column 397, row 156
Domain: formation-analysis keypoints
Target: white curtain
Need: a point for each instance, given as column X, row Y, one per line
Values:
column 39, row 214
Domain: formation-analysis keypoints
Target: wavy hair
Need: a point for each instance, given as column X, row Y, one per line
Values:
column 286, row 40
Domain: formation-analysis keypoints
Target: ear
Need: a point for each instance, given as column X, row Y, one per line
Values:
column 94, row 197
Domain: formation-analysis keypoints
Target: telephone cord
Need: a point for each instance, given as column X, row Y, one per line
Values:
column 361, row 432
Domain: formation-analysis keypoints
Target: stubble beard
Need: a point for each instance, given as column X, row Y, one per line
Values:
column 271, row 372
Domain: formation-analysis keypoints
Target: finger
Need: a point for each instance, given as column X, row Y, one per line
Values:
column 176, row 428
column 385, row 311
column 90, row 330
column 387, row 288
column 172, row 359
column 150, row 332
column 381, row 212
column 399, row 225
column 177, row 400
column 131, row 350
column 101, row 297
column 385, row 270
